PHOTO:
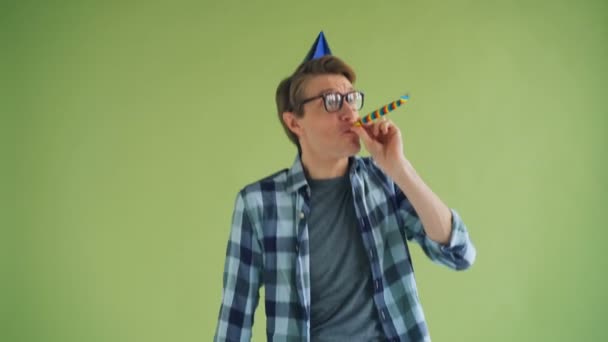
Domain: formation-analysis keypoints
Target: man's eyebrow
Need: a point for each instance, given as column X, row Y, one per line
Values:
column 333, row 90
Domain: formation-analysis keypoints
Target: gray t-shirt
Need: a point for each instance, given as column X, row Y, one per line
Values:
column 342, row 306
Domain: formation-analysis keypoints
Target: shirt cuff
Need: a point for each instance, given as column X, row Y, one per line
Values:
column 459, row 237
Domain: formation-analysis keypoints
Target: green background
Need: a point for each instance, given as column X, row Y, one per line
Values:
column 128, row 129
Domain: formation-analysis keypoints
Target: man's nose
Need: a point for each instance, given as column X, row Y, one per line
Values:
column 348, row 113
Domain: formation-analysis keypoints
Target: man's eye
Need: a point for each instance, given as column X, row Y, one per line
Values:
column 332, row 100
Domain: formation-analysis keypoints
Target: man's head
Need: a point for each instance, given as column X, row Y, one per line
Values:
column 308, row 106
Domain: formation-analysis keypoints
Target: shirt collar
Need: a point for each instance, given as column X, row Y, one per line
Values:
column 296, row 178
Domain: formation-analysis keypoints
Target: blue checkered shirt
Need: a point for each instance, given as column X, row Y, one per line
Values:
column 269, row 246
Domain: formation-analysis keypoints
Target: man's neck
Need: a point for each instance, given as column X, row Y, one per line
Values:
column 324, row 168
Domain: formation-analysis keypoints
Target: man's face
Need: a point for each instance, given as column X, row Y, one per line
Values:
column 327, row 135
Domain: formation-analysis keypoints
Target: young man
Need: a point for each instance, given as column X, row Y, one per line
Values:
column 327, row 237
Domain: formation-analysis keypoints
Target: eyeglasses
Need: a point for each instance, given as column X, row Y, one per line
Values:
column 333, row 101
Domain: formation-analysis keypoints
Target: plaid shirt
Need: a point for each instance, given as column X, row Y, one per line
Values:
column 269, row 246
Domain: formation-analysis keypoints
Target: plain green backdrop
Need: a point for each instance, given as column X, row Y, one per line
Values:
column 131, row 126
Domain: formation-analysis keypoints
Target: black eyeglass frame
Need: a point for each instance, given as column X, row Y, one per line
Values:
column 341, row 99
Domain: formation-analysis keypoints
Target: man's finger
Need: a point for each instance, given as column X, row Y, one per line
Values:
column 363, row 134
column 376, row 128
column 384, row 127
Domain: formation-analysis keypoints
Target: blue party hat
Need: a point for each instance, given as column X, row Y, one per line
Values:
column 319, row 48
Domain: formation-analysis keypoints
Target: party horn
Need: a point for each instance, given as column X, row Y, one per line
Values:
column 382, row 111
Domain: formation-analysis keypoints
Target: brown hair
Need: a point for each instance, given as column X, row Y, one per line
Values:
column 290, row 90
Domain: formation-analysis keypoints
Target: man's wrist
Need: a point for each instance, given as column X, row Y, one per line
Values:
column 401, row 170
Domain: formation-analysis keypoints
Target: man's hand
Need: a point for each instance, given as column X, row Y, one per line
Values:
column 383, row 141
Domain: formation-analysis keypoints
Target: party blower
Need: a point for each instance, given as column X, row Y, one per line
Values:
column 382, row 111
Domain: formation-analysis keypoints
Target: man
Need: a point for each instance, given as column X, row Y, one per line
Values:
column 327, row 237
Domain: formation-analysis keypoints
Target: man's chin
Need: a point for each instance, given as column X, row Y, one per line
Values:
column 354, row 149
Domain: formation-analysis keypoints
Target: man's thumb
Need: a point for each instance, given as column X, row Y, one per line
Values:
column 362, row 133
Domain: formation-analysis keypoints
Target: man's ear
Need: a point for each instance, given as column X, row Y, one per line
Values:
column 291, row 121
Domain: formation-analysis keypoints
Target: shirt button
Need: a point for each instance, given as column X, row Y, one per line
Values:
column 301, row 214
column 371, row 253
column 297, row 249
column 383, row 315
column 377, row 284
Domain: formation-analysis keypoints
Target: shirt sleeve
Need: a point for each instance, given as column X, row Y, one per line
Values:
column 242, row 278
column 458, row 254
